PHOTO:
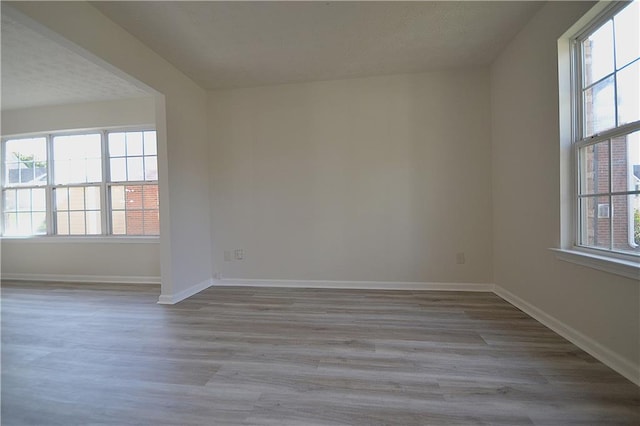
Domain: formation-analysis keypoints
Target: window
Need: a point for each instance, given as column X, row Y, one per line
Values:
column 24, row 197
column 93, row 183
column 133, row 160
column 606, row 99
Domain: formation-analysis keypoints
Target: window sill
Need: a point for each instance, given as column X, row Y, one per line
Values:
column 82, row 239
column 625, row 268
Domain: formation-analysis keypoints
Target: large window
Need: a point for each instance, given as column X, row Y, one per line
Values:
column 91, row 183
column 607, row 131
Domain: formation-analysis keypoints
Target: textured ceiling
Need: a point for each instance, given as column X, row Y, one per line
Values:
column 240, row 44
column 37, row 71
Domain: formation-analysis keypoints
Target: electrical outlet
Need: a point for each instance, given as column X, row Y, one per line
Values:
column 238, row 254
column 217, row 276
column 460, row 260
column 227, row 256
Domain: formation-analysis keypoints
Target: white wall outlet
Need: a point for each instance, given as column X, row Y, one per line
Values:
column 460, row 259
column 217, row 276
column 227, row 256
column 238, row 254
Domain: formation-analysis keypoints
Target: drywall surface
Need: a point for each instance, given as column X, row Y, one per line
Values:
column 125, row 112
column 382, row 179
column 77, row 260
column 33, row 258
column 185, row 252
column 526, row 194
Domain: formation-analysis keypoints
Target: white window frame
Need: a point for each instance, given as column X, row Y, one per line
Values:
column 50, row 186
column 571, row 138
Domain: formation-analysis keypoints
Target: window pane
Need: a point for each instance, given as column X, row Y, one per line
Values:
column 150, row 197
column 598, row 54
column 24, row 200
column 33, row 148
column 24, row 223
column 29, row 206
column 62, row 223
column 135, row 224
column 635, row 202
column 78, row 171
column 150, row 143
column 134, row 197
column 117, row 197
column 62, row 172
column 92, row 198
column 595, row 214
column 73, row 155
column 94, row 223
column 10, row 204
column 151, row 168
column 627, row 23
column 76, row 199
column 94, row 170
column 13, row 173
column 11, row 224
column 135, row 168
column 118, row 169
column 76, row 225
column 629, row 94
column 625, row 160
column 26, row 161
column 134, row 143
column 62, row 198
column 118, row 223
column 594, row 168
column 39, row 223
column 151, row 222
column 624, row 208
column 116, row 145
column 38, row 199
column 599, row 107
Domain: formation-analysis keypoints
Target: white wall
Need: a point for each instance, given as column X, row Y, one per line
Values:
column 374, row 179
column 83, row 260
column 124, row 112
column 185, row 252
column 604, row 308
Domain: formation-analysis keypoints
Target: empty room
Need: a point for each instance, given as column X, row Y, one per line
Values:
column 320, row 213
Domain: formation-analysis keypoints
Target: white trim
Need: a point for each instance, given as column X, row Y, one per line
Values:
column 598, row 351
column 364, row 285
column 172, row 299
column 114, row 279
column 625, row 268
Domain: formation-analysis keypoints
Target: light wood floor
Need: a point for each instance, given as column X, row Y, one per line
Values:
column 108, row 354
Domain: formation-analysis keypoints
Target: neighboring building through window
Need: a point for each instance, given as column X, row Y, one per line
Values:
column 607, row 131
column 93, row 183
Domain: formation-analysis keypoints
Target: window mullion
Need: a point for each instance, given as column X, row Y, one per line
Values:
column 51, row 223
column 2, row 184
column 598, row 81
column 104, row 198
column 611, row 213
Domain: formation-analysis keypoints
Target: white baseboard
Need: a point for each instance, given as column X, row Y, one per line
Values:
column 362, row 285
column 595, row 349
column 171, row 299
column 112, row 279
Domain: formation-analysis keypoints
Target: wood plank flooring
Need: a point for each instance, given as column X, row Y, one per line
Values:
column 76, row 354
